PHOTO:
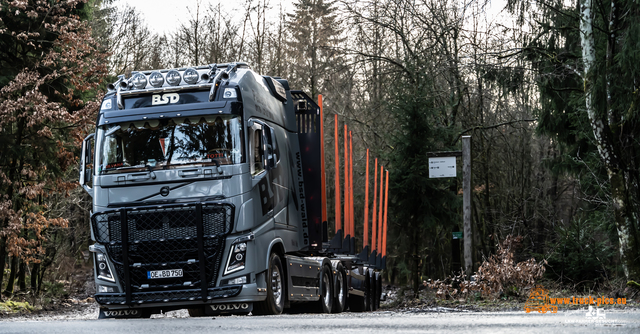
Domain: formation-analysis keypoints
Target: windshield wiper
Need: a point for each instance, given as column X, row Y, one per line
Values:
column 151, row 173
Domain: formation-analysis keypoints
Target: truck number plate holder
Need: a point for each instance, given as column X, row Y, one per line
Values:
column 169, row 273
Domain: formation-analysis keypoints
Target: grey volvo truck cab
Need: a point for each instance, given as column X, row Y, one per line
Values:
column 206, row 196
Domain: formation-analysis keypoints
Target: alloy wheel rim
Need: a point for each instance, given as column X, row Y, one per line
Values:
column 276, row 285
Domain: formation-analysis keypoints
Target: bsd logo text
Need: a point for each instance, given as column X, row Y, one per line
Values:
column 158, row 99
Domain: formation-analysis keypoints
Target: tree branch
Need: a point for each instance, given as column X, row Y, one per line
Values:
column 479, row 127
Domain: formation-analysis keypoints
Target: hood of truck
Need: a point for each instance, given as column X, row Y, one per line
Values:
column 168, row 187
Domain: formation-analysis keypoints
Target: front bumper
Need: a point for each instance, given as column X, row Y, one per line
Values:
column 182, row 298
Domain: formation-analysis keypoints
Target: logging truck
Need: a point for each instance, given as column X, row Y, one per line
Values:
column 209, row 194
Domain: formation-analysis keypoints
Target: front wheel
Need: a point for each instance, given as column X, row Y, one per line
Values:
column 274, row 304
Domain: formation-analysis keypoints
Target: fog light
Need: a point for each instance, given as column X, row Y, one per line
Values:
column 239, row 280
column 102, row 288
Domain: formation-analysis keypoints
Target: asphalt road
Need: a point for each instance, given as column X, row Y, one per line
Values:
column 372, row 322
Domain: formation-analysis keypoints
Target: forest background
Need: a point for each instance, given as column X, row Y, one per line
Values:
column 548, row 91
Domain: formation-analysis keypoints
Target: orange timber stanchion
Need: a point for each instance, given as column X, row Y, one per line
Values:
column 346, row 186
column 380, row 211
column 337, row 180
column 365, row 233
column 352, row 229
column 374, row 226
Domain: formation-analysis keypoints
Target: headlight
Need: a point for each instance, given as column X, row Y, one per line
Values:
column 237, row 258
column 156, row 79
column 102, row 268
column 173, row 78
column 190, row 76
column 139, row 81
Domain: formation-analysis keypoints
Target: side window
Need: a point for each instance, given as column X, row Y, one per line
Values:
column 257, row 148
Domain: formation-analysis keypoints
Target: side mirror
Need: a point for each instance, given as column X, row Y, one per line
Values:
column 85, row 159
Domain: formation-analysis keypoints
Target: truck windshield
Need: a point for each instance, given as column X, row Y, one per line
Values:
column 170, row 143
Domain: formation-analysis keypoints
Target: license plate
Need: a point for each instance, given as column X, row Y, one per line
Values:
column 169, row 273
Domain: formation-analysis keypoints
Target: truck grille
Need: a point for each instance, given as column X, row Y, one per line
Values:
column 186, row 236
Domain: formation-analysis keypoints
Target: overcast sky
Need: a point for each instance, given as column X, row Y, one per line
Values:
column 165, row 16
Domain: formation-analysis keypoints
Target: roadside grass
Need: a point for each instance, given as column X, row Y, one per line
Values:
column 56, row 294
column 11, row 306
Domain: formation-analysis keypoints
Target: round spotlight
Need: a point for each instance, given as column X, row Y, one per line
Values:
column 191, row 76
column 173, row 78
column 139, row 81
column 156, row 79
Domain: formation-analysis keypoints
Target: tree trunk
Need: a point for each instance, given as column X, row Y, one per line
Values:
column 34, row 277
column 22, row 276
column 12, row 276
column 625, row 217
column 626, row 222
column 3, row 259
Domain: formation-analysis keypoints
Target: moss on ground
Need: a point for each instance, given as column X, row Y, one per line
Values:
column 11, row 306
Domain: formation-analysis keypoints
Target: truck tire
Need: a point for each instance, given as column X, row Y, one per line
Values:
column 360, row 303
column 356, row 303
column 367, row 291
column 373, row 291
column 274, row 303
column 378, row 289
column 340, row 288
column 325, row 289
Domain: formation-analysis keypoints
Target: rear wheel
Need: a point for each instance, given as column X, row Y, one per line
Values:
column 325, row 304
column 359, row 303
column 356, row 303
column 274, row 304
column 340, row 285
column 372, row 291
column 378, row 289
column 367, row 291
